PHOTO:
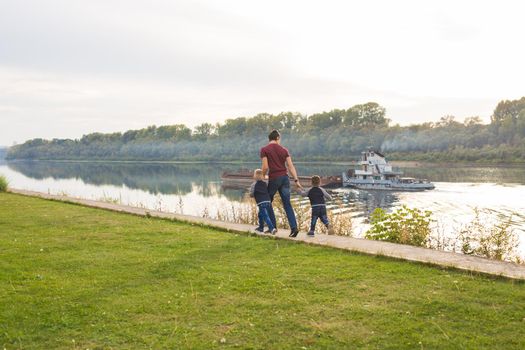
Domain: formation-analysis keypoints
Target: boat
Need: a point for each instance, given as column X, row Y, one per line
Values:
column 377, row 174
column 244, row 178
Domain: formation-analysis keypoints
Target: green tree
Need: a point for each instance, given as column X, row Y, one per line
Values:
column 370, row 114
column 203, row 131
column 508, row 109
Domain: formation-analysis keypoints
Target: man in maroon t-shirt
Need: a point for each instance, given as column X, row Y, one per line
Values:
column 277, row 162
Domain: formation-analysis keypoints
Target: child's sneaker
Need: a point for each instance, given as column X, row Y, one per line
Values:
column 330, row 230
column 274, row 231
column 259, row 229
column 311, row 233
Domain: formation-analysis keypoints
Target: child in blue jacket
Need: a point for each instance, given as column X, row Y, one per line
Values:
column 317, row 196
column 259, row 190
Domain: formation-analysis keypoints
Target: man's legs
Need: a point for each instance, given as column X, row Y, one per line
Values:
column 284, row 192
column 273, row 186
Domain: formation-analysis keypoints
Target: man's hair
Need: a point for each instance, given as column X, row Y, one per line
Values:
column 274, row 135
column 316, row 180
column 258, row 172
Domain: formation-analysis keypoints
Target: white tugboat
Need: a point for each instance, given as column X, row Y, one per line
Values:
column 377, row 174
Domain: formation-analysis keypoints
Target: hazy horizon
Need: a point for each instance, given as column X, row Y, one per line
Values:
column 70, row 68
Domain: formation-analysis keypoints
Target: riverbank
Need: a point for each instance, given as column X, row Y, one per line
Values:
column 79, row 277
column 398, row 162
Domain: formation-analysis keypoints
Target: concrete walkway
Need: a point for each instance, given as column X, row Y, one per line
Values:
column 424, row 255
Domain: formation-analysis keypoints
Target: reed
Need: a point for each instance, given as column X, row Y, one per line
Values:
column 108, row 199
column 493, row 239
column 245, row 212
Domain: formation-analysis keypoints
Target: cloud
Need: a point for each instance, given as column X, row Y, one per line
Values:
column 189, row 44
column 70, row 67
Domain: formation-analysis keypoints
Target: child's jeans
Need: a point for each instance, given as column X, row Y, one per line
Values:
column 318, row 212
column 264, row 217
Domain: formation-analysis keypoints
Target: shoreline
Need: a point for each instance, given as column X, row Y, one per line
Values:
column 397, row 163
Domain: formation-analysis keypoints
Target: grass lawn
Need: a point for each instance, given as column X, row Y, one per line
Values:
column 73, row 277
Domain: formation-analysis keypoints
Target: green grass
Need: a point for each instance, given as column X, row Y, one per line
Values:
column 73, row 277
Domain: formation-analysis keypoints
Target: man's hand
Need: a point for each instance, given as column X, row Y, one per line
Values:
column 293, row 172
column 298, row 184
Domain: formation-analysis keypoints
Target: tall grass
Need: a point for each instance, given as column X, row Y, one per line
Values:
column 246, row 213
column 3, row 183
column 490, row 239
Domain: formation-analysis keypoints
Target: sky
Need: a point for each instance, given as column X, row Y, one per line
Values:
column 72, row 67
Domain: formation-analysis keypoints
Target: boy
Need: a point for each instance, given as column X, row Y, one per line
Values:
column 259, row 190
column 317, row 196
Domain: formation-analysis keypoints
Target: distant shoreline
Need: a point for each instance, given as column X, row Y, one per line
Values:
column 397, row 163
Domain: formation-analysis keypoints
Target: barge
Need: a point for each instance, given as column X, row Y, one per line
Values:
column 244, row 178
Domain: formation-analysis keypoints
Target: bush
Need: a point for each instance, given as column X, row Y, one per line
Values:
column 491, row 240
column 3, row 183
column 404, row 225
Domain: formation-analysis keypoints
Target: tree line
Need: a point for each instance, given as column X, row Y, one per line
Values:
column 339, row 134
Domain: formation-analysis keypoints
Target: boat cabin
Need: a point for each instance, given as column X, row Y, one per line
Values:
column 375, row 167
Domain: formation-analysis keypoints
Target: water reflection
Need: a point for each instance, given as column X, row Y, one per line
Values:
column 365, row 202
column 155, row 178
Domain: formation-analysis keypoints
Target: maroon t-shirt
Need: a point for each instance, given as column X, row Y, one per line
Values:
column 276, row 155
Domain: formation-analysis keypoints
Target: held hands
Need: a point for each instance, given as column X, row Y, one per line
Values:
column 298, row 184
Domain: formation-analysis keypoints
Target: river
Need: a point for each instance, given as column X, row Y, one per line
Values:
column 498, row 191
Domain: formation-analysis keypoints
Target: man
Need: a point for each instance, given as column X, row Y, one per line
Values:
column 277, row 162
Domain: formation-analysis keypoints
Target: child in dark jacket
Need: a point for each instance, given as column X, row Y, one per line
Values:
column 317, row 196
column 259, row 190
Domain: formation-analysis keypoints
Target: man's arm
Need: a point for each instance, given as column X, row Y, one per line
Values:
column 293, row 172
column 265, row 166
